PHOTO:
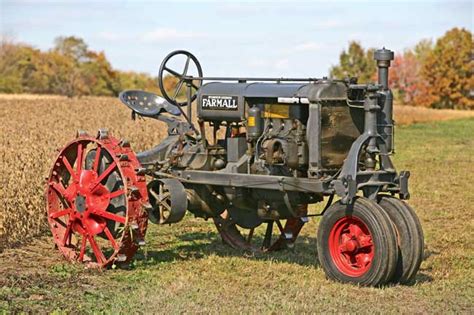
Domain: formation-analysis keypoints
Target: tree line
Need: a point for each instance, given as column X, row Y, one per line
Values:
column 70, row 68
column 436, row 75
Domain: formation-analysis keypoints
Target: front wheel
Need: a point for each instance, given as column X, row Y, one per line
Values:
column 357, row 243
column 410, row 238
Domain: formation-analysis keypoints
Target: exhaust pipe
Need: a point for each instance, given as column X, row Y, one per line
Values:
column 385, row 120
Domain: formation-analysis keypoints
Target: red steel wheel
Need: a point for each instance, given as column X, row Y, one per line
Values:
column 351, row 246
column 357, row 243
column 96, row 201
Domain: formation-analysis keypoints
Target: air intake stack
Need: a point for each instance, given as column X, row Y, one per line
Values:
column 385, row 128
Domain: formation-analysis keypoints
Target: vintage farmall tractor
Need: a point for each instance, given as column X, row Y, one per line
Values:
column 262, row 150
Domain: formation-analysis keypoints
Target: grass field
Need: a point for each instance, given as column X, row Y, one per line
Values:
column 186, row 268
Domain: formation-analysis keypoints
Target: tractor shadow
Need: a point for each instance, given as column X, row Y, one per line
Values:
column 199, row 245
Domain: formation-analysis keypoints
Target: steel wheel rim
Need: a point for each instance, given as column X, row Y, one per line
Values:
column 351, row 246
column 286, row 234
column 78, row 202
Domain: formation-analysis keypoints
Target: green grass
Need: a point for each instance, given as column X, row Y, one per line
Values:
column 186, row 268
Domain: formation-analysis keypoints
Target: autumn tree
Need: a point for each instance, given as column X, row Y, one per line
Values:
column 356, row 62
column 405, row 79
column 448, row 70
column 73, row 47
column 10, row 75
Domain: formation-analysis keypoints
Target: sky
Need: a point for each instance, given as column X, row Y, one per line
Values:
column 253, row 38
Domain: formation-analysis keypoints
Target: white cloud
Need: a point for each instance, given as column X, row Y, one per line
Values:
column 307, row 46
column 109, row 36
column 169, row 34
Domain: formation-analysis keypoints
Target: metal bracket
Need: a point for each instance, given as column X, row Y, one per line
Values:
column 403, row 181
column 346, row 188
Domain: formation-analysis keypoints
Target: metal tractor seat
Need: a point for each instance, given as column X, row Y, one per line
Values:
column 147, row 104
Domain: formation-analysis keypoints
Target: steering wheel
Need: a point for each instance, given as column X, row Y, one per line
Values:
column 180, row 76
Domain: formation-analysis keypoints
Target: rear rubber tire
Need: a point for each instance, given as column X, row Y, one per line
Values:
column 409, row 235
column 383, row 254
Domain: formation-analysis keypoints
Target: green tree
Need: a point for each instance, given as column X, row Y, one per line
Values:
column 448, row 70
column 10, row 75
column 99, row 76
column 355, row 62
column 139, row 81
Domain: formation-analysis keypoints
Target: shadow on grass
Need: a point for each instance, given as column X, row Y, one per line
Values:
column 196, row 245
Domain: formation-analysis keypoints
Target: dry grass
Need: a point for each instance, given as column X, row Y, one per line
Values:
column 186, row 269
column 406, row 115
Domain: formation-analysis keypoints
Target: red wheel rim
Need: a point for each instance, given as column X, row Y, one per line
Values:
column 96, row 201
column 351, row 246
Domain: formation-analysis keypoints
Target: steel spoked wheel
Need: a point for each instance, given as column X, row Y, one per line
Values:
column 242, row 238
column 96, row 201
column 351, row 246
column 357, row 243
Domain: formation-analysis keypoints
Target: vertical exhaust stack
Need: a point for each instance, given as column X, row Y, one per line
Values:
column 385, row 122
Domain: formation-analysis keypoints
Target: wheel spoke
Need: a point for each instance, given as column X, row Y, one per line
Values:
column 249, row 237
column 104, row 175
column 70, row 169
column 117, row 193
column 176, row 74
column 80, row 153
column 268, row 235
column 166, row 205
column 178, row 88
column 60, row 213
column 95, row 168
column 280, row 227
column 111, row 238
column 112, row 216
column 83, row 248
column 97, row 252
column 59, row 188
column 67, row 233
column 163, row 196
column 186, row 66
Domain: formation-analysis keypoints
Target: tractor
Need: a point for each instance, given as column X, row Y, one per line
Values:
column 245, row 152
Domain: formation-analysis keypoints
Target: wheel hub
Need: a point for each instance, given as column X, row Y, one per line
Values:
column 80, row 203
column 351, row 247
column 90, row 197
